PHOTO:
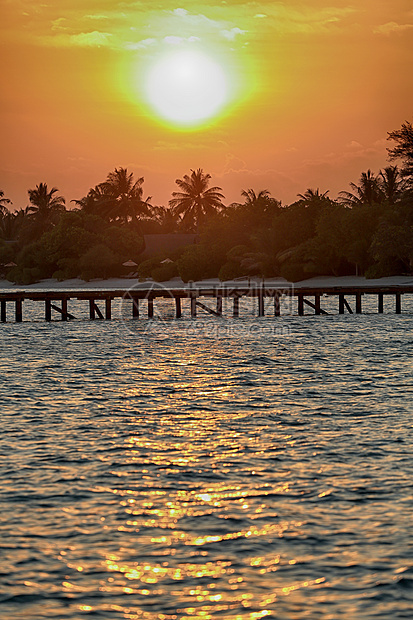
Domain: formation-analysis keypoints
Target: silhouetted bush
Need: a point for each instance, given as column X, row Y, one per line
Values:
column 165, row 272
column 199, row 262
column 230, row 270
column 98, row 262
column 146, row 267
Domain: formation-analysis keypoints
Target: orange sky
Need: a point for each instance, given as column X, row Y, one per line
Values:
column 317, row 86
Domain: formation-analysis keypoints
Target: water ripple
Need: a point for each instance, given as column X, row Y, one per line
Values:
column 168, row 476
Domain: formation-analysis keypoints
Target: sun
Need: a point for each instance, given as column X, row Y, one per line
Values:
column 186, row 87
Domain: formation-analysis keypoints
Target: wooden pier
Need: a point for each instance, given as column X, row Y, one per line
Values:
column 143, row 300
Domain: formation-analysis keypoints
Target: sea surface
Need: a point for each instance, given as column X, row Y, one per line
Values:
column 207, row 469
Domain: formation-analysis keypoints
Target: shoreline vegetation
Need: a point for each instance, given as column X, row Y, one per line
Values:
column 367, row 231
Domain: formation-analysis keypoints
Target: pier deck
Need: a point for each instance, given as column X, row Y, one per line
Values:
column 149, row 294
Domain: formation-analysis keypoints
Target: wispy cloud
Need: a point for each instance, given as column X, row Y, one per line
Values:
column 83, row 39
column 392, row 28
column 178, row 40
column 141, row 45
column 233, row 33
column 97, row 17
column 126, row 24
column 131, row 24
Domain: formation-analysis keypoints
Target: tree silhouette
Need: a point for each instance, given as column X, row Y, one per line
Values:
column 392, row 185
column 367, row 192
column 196, row 199
column 252, row 198
column 164, row 218
column 311, row 195
column 44, row 203
column 3, row 202
column 122, row 196
column 94, row 202
column 403, row 150
column 258, row 208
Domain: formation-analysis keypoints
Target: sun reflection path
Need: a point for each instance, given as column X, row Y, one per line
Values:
column 202, row 528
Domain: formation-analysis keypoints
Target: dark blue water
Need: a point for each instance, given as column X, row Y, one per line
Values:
column 166, row 470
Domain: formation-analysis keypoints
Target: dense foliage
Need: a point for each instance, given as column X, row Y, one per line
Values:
column 367, row 230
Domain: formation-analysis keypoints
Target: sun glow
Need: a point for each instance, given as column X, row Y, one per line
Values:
column 187, row 87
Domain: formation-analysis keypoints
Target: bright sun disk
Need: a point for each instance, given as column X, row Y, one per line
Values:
column 186, row 87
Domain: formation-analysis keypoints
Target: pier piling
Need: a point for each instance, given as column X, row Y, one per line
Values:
column 261, row 310
column 235, row 309
column 19, row 310
column 277, row 305
column 135, row 308
column 48, row 310
column 178, row 309
column 108, row 308
column 193, row 306
column 65, row 315
column 150, row 307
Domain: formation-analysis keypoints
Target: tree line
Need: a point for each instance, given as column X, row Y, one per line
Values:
column 367, row 230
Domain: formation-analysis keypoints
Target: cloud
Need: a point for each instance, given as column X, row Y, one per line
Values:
column 96, row 17
column 82, row 39
column 91, row 39
column 288, row 19
column 179, row 26
column 231, row 34
column 57, row 24
column 141, row 45
column 201, row 23
column 392, row 27
column 233, row 164
column 173, row 40
column 121, row 25
column 180, row 12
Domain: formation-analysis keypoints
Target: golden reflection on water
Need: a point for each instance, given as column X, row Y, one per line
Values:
column 180, row 519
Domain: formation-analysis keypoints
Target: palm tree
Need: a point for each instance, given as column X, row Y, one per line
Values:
column 251, row 198
column 122, row 196
column 258, row 208
column 311, row 195
column 165, row 218
column 367, row 192
column 403, row 149
column 11, row 224
column 93, row 202
column 3, row 202
column 392, row 185
column 44, row 203
column 196, row 199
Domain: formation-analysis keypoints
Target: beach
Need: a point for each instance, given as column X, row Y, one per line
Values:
column 126, row 283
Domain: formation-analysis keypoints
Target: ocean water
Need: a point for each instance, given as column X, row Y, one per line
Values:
column 207, row 469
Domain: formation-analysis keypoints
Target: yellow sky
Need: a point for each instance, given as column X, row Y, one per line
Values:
column 316, row 86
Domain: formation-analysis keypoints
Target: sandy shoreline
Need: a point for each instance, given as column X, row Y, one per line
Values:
column 127, row 283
